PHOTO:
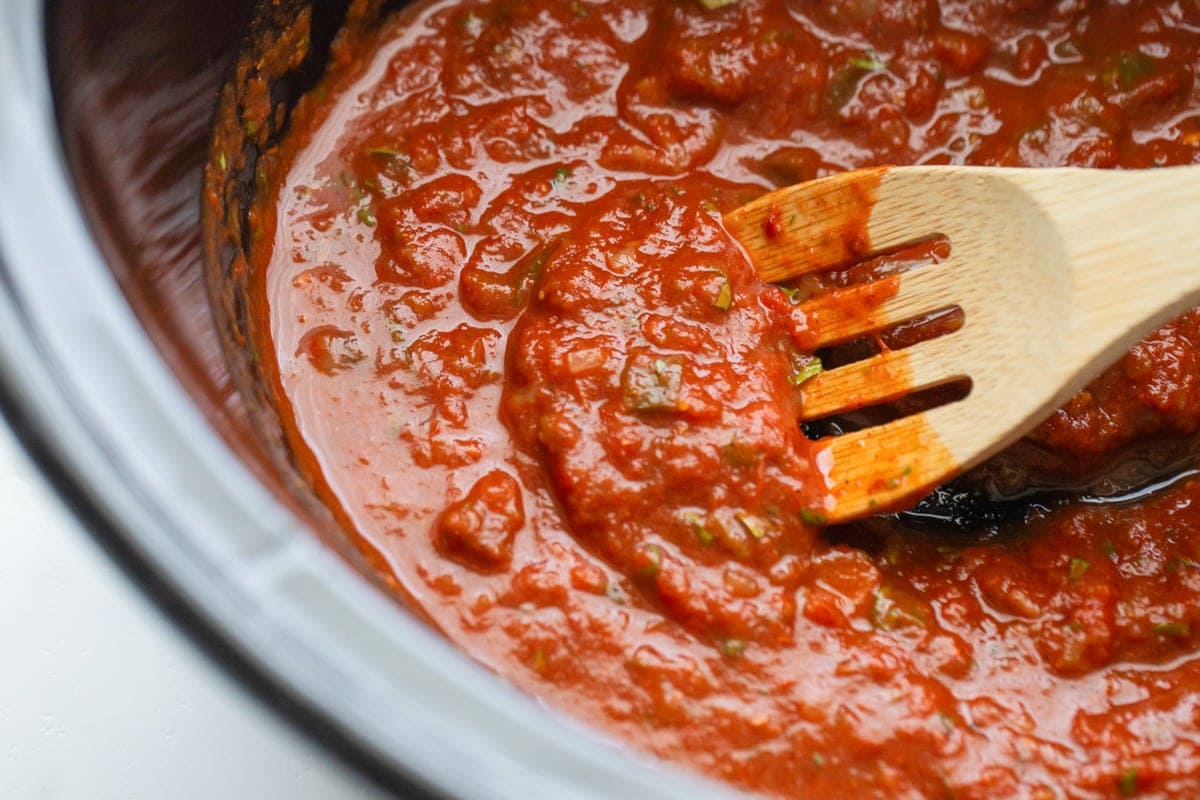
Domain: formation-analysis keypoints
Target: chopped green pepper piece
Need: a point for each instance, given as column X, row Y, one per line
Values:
column 807, row 370
column 392, row 156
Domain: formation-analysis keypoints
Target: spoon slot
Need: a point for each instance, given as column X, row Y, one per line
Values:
column 883, row 378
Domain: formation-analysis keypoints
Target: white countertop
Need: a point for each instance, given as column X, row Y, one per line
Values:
column 101, row 698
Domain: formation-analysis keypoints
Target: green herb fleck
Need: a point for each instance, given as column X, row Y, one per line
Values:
column 561, row 175
column 868, row 62
column 713, row 5
column 224, row 166
column 1127, row 783
column 818, row 759
column 366, row 216
column 794, row 295
column 703, row 534
column 894, row 483
column 1129, row 67
column 1175, row 630
column 844, row 83
column 643, row 202
column 1077, row 568
column 530, row 269
column 810, row 516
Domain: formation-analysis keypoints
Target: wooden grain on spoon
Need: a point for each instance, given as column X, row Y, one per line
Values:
column 1057, row 272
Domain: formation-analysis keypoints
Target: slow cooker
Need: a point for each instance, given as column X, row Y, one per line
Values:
column 112, row 375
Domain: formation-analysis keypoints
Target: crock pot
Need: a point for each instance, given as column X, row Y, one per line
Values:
column 110, row 376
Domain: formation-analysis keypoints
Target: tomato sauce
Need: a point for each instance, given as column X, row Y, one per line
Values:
column 519, row 356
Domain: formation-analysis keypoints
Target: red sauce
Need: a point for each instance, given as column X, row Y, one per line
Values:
column 521, row 358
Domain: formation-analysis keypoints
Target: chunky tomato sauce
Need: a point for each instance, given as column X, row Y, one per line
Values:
column 522, row 360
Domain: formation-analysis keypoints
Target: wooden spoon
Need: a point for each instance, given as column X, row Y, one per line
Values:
column 1057, row 272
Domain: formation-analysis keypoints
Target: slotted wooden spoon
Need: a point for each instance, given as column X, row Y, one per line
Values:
column 1057, row 272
